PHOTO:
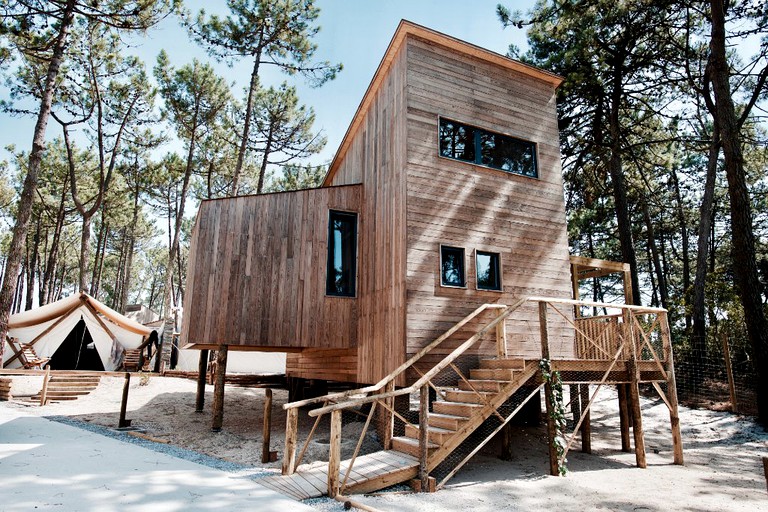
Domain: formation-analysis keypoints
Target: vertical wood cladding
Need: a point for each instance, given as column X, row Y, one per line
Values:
column 257, row 272
column 477, row 208
column 376, row 158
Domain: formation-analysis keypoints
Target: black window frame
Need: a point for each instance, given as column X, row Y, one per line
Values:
column 476, row 154
column 331, row 286
column 463, row 268
column 495, row 262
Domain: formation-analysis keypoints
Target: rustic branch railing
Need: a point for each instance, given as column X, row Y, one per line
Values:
column 608, row 337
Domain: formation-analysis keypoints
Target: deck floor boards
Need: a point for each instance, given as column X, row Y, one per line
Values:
column 313, row 482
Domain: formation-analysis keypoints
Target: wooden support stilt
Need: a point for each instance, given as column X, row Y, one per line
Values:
column 334, row 455
column 506, row 442
column 424, row 438
column 202, row 369
column 218, row 390
column 291, row 434
column 586, row 425
column 123, row 422
column 624, row 421
column 548, row 392
column 674, row 416
column 267, row 427
column 634, row 393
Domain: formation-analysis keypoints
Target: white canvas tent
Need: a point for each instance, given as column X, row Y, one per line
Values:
column 47, row 326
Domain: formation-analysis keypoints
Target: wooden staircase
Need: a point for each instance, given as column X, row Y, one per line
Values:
column 133, row 360
column 68, row 387
column 460, row 410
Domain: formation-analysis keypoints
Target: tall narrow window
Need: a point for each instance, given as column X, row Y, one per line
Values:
column 342, row 254
column 488, row 270
column 452, row 266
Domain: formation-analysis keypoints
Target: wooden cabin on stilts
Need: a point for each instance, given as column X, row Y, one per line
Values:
column 432, row 262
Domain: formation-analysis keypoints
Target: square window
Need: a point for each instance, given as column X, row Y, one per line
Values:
column 452, row 266
column 488, row 268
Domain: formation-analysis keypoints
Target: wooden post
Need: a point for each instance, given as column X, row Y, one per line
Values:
column 334, row 455
column 501, row 337
column 388, row 419
column 123, row 423
column 202, row 369
column 586, row 426
column 267, row 429
column 506, row 442
column 729, row 372
column 424, row 437
column 218, row 390
column 765, row 470
column 548, row 393
column 291, row 433
column 634, row 393
column 674, row 416
column 624, row 419
column 44, row 390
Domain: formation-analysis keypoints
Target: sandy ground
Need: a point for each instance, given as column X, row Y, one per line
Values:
column 723, row 468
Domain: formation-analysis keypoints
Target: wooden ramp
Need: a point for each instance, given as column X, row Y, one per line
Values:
column 369, row 472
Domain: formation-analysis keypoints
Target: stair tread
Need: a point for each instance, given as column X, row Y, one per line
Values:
column 414, row 442
column 438, row 430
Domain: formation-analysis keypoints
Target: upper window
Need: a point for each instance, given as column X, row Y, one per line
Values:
column 342, row 254
column 452, row 266
column 487, row 266
column 470, row 144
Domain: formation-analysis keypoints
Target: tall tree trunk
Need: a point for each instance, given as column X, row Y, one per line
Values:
column 699, row 329
column 49, row 274
column 24, row 211
column 743, row 240
column 656, row 262
column 686, row 250
column 32, row 267
column 130, row 247
column 252, row 88
column 619, row 187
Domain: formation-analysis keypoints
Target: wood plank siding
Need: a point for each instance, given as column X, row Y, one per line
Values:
column 257, row 273
column 477, row 208
column 375, row 157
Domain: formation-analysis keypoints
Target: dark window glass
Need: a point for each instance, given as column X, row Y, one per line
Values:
column 463, row 142
column 342, row 254
column 452, row 266
column 457, row 141
column 487, row 267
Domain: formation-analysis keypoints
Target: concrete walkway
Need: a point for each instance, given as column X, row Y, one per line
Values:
column 46, row 465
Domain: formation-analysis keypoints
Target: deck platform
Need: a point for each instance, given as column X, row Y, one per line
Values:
column 369, row 472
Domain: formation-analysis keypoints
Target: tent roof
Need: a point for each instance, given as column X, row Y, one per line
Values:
column 61, row 307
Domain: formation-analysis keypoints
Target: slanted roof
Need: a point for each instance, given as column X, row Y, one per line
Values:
column 47, row 327
column 409, row 29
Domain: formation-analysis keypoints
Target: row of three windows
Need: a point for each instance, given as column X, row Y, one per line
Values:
column 453, row 268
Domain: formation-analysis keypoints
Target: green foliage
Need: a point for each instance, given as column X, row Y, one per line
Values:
column 297, row 177
column 557, row 414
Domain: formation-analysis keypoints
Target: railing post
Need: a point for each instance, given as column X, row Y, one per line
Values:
column 388, row 419
column 44, row 390
column 291, row 433
column 548, row 392
column 634, row 392
column 501, row 336
column 424, row 438
column 334, row 455
column 674, row 417
column 123, row 422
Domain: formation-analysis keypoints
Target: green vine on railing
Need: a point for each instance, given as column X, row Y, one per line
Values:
column 557, row 414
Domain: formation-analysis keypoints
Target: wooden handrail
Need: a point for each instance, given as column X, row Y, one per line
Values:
column 572, row 302
column 442, row 365
column 400, row 369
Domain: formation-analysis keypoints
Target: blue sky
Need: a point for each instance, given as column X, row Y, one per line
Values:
column 354, row 32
